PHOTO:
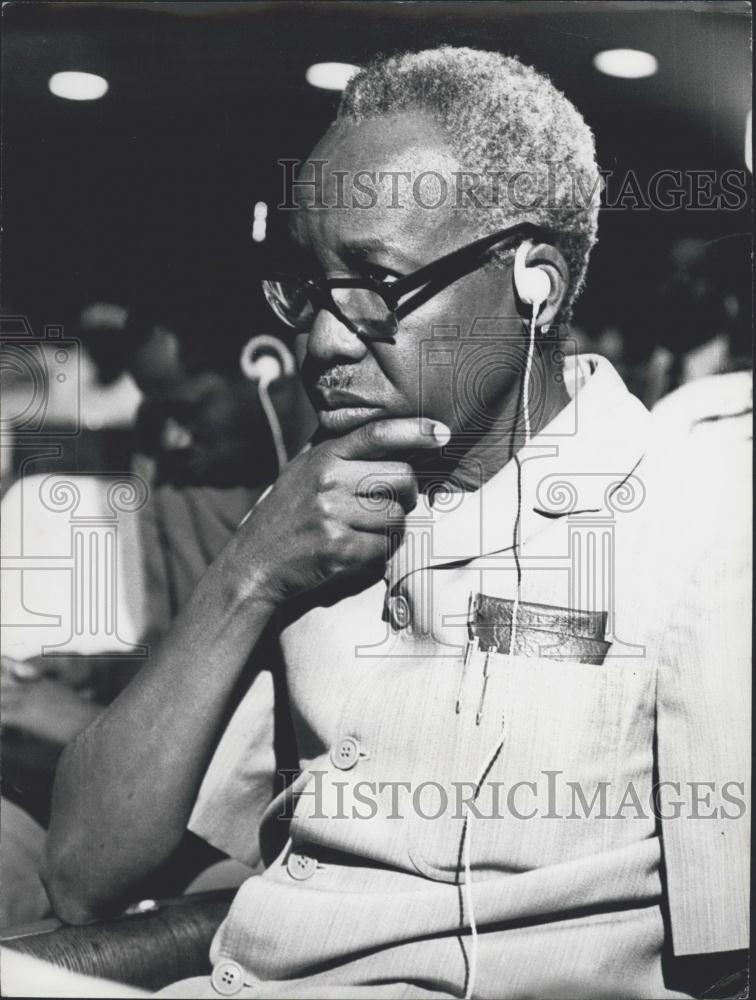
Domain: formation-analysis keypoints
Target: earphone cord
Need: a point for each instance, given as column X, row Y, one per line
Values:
column 274, row 424
column 490, row 758
column 526, row 418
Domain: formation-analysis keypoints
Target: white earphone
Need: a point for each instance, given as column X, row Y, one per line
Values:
column 533, row 284
column 265, row 359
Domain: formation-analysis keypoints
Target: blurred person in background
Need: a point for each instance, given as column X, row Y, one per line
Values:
column 700, row 324
column 700, row 372
column 205, row 446
column 701, row 306
column 68, row 384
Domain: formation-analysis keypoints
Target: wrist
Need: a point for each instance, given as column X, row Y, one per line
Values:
column 246, row 582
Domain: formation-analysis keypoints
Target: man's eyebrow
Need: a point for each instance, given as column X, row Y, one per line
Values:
column 360, row 249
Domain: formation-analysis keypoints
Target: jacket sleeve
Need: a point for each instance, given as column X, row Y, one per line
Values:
column 703, row 718
column 239, row 783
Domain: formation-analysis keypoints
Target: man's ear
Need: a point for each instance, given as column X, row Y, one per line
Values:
column 551, row 260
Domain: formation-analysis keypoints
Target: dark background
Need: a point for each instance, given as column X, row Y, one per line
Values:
column 149, row 192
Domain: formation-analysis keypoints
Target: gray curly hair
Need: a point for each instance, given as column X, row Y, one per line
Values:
column 502, row 118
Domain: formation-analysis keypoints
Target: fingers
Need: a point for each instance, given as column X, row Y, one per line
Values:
column 366, row 553
column 377, row 484
column 386, row 437
column 375, row 517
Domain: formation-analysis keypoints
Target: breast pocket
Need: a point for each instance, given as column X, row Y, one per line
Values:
column 557, row 731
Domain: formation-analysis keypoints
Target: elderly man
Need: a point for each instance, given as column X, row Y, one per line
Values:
column 480, row 600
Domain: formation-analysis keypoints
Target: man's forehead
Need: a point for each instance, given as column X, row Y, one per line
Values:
column 401, row 139
column 380, row 181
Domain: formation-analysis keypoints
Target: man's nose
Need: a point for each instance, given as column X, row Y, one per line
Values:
column 330, row 339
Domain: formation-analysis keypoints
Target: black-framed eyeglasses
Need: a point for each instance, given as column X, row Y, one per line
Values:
column 372, row 308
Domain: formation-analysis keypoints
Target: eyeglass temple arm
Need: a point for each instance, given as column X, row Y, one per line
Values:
column 437, row 268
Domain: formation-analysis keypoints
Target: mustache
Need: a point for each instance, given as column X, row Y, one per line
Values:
column 338, row 377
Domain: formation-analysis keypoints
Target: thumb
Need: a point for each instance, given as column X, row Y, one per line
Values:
column 381, row 438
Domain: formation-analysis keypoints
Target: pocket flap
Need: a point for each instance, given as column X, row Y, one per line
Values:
column 542, row 630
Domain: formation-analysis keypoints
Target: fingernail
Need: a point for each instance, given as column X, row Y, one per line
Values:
column 441, row 433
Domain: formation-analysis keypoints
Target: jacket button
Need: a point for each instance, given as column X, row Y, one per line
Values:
column 345, row 754
column 227, row 978
column 301, row 866
column 400, row 613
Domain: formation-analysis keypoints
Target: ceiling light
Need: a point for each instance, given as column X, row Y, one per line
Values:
column 330, row 75
column 75, row 86
column 259, row 225
column 629, row 64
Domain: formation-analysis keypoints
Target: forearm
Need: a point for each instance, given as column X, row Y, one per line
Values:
column 126, row 786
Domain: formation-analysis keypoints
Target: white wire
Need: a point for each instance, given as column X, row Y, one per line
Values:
column 274, row 424
column 467, row 834
column 526, row 415
column 528, row 370
column 467, row 828
column 466, row 852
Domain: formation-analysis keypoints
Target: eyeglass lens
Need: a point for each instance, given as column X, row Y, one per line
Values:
column 364, row 309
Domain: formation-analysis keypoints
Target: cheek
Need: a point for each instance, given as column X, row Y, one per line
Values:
column 396, row 367
column 462, row 355
column 417, row 370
